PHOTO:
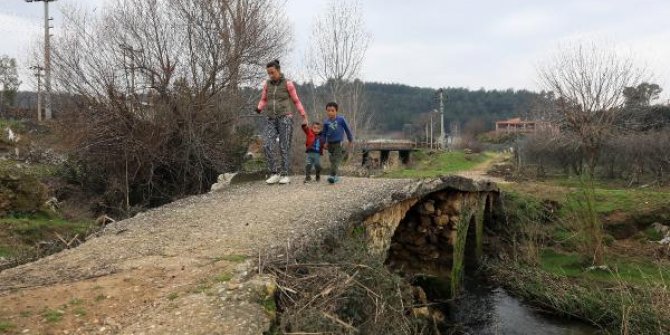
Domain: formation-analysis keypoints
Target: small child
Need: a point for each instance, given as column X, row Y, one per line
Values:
column 334, row 128
column 314, row 150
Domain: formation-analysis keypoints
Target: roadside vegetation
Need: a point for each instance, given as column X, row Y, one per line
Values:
column 550, row 260
column 33, row 222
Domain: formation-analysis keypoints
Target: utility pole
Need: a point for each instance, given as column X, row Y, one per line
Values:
column 432, row 137
column 47, row 59
column 443, row 142
column 38, row 74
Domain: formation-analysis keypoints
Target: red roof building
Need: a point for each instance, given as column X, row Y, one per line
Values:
column 516, row 125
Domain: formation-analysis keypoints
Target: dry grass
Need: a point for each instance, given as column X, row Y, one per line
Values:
column 618, row 307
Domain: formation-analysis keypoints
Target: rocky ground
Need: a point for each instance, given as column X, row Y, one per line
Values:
column 184, row 268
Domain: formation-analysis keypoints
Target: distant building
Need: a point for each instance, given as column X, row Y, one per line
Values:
column 516, row 125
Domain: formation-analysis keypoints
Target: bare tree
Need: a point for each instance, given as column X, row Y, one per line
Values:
column 9, row 82
column 588, row 82
column 153, row 88
column 338, row 45
column 334, row 58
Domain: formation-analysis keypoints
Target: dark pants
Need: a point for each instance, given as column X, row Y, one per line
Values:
column 336, row 154
column 313, row 161
column 278, row 128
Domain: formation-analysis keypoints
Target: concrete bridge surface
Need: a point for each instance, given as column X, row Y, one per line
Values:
column 190, row 267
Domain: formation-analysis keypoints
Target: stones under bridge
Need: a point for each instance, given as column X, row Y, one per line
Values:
column 441, row 225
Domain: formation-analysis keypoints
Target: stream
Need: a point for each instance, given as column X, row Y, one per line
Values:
column 489, row 310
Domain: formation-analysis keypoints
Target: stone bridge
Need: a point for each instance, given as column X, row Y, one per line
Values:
column 381, row 153
column 193, row 266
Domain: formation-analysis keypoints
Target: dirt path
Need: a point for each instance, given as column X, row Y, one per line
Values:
column 178, row 269
column 479, row 171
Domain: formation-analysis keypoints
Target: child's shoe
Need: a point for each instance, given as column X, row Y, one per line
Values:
column 273, row 179
column 317, row 178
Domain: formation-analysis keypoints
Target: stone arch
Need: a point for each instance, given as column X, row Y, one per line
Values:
column 422, row 234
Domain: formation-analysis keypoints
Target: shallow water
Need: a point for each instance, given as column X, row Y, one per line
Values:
column 490, row 310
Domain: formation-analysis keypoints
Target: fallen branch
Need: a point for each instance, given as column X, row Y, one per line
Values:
column 340, row 322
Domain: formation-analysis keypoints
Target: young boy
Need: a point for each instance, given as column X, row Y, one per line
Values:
column 314, row 150
column 334, row 128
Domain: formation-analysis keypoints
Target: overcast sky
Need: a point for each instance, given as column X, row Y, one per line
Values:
column 439, row 43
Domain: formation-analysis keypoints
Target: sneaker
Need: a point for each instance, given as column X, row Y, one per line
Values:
column 317, row 178
column 273, row 179
column 332, row 179
column 308, row 180
column 284, row 180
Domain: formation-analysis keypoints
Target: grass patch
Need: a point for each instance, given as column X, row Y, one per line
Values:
column 571, row 265
column 223, row 277
column 100, row 297
column 203, row 287
column 628, row 200
column 5, row 251
column 15, row 125
column 79, row 311
column 653, row 234
column 76, row 301
column 52, row 315
column 34, row 170
column 34, row 228
column 440, row 164
column 6, row 326
column 269, row 305
column 172, row 296
column 608, row 199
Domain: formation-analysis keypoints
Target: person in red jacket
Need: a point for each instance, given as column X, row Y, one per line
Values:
column 314, row 150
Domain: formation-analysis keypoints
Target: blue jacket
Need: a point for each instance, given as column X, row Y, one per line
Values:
column 334, row 130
